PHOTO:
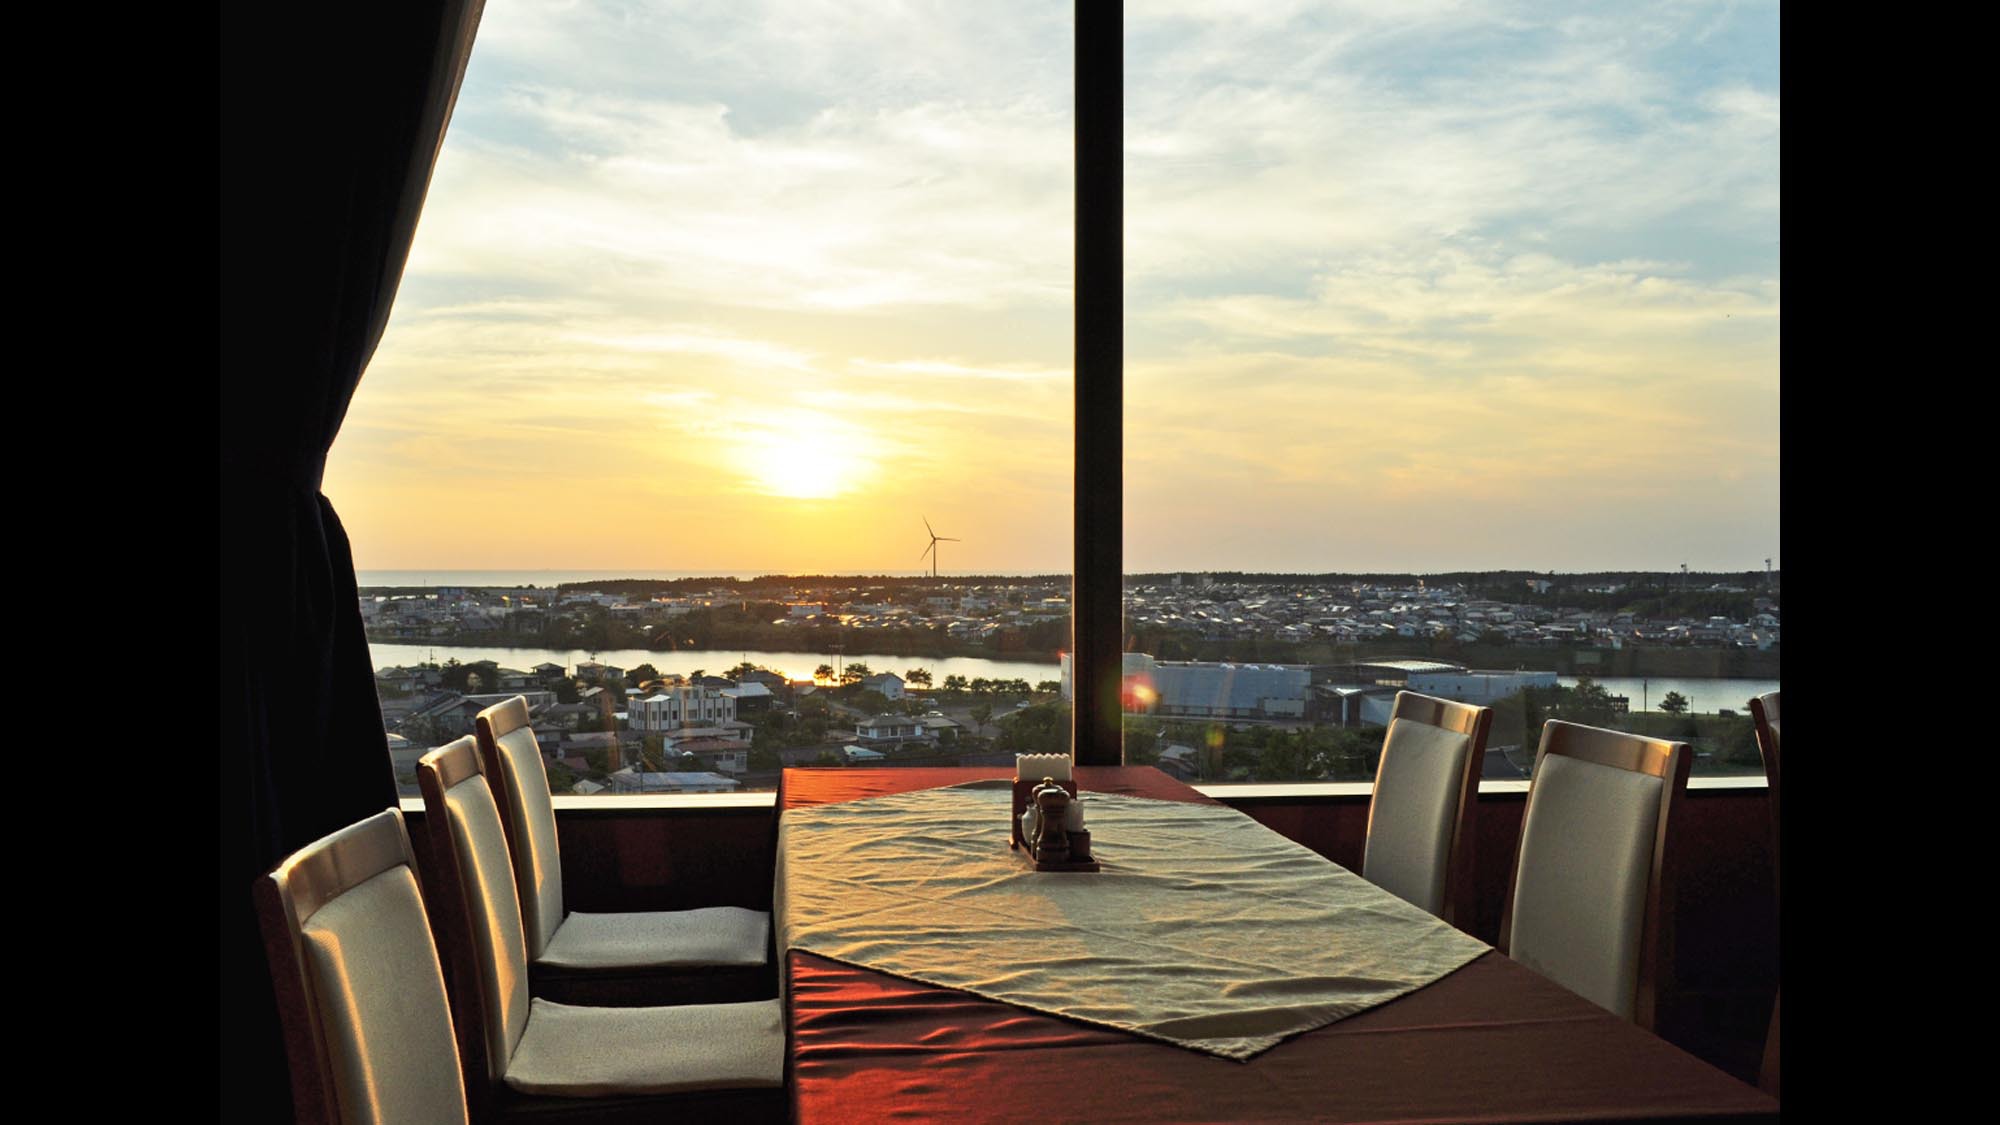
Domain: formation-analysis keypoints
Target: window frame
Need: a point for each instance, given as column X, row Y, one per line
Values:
column 1097, row 500
column 1097, row 490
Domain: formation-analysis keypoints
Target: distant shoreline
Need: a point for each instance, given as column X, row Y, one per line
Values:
column 873, row 644
column 736, row 615
column 416, row 578
column 1664, row 662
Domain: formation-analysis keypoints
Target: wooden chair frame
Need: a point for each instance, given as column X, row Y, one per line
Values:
column 286, row 899
column 1764, row 713
column 1669, row 761
column 489, row 727
column 1475, row 722
column 452, row 913
column 485, row 1079
column 634, row 985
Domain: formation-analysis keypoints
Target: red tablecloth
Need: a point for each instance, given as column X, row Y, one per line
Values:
column 1492, row 1042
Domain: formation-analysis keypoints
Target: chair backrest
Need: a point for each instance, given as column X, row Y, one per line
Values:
column 513, row 762
column 368, row 1030
column 1764, row 712
column 1590, row 902
column 1420, row 833
column 480, row 915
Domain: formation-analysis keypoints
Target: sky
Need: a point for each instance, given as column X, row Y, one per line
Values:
column 1410, row 286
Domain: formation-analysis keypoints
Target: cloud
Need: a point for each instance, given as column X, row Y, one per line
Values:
column 761, row 355
column 1390, row 266
column 947, row 369
column 1322, row 136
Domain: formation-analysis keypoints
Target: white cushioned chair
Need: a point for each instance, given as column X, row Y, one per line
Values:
column 1764, row 713
column 367, row 1027
column 1420, row 836
column 520, row 1053
column 708, row 953
column 1590, row 906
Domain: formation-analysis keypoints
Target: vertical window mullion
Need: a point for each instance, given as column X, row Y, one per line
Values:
column 1097, row 592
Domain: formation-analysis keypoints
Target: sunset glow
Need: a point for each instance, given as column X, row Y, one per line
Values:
column 805, row 457
column 1408, row 288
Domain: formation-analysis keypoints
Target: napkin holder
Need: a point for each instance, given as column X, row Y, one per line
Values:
column 1060, row 850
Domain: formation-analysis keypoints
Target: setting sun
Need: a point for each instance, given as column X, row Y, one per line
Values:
column 804, row 456
column 799, row 311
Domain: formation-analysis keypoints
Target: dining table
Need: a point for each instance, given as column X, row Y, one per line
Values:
column 1487, row 1041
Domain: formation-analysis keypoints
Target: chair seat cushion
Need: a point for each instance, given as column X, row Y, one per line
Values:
column 715, row 935
column 568, row 1051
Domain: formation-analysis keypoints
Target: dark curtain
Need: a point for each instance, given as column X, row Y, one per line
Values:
column 332, row 119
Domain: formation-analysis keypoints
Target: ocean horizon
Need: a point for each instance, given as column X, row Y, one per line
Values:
column 554, row 577
column 415, row 578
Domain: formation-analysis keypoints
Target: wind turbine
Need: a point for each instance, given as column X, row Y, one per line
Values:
column 932, row 550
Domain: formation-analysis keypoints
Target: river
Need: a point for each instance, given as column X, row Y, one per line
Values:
column 791, row 665
column 1704, row 696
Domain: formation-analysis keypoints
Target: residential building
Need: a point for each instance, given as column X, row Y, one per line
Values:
column 672, row 781
column 892, row 730
column 618, row 747
column 1196, row 689
column 592, row 671
column 723, row 755
column 669, row 709
column 538, row 701
column 888, row 683
column 1475, row 686
column 751, row 696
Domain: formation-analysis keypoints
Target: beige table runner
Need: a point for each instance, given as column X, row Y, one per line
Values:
column 1205, row 929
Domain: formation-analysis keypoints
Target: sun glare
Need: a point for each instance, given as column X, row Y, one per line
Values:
column 804, row 456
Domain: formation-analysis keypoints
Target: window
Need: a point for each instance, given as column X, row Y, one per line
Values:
column 1451, row 335
column 702, row 295
column 1448, row 337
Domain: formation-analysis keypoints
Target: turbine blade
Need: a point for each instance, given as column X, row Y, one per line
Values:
column 949, row 539
column 927, row 527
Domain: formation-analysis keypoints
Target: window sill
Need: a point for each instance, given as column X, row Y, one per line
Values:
column 1362, row 790
column 640, row 802
column 1228, row 793
column 1283, row 791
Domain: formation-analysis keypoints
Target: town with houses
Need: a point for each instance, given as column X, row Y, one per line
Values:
column 630, row 731
column 981, row 617
column 1228, row 610
column 1327, row 655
